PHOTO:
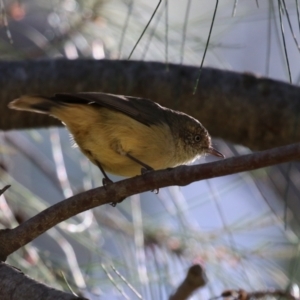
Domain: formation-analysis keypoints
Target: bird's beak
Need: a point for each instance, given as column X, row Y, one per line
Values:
column 214, row 152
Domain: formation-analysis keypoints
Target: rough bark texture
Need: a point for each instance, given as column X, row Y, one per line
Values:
column 256, row 112
column 13, row 239
column 14, row 285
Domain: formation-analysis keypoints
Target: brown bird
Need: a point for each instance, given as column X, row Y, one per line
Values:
column 125, row 135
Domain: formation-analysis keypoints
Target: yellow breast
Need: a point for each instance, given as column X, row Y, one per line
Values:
column 106, row 136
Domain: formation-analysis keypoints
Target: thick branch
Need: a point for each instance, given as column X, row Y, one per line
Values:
column 13, row 239
column 256, row 112
column 14, row 285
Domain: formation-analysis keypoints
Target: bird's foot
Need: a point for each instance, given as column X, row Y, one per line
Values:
column 106, row 181
column 146, row 170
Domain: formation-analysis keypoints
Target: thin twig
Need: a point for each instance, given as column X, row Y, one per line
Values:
column 290, row 25
column 186, row 17
column 298, row 13
column 125, row 26
column 4, row 189
column 234, row 8
column 156, row 8
column 112, row 280
column 206, row 46
column 284, row 42
column 127, row 283
column 166, row 34
column 269, row 38
column 152, row 32
column 67, row 283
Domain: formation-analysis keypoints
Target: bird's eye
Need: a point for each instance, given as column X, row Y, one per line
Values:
column 197, row 138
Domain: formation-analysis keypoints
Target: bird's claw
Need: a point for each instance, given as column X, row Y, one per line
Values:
column 105, row 182
column 146, row 170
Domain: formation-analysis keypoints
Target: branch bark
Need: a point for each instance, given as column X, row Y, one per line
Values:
column 257, row 112
column 13, row 239
column 15, row 285
column 194, row 279
column 244, row 295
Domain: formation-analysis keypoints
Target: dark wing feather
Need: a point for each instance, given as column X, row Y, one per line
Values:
column 142, row 110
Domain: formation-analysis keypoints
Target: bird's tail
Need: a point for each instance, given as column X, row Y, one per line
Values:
column 34, row 103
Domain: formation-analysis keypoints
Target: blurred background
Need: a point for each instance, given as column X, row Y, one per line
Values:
column 243, row 229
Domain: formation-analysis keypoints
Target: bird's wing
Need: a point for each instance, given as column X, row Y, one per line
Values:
column 142, row 110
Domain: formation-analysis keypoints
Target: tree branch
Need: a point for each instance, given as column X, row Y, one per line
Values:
column 13, row 239
column 2, row 191
column 257, row 112
column 244, row 295
column 194, row 279
column 15, row 285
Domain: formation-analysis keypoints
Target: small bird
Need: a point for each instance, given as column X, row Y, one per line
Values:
column 125, row 135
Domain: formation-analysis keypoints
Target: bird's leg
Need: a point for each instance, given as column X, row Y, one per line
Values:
column 145, row 168
column 106, row 181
